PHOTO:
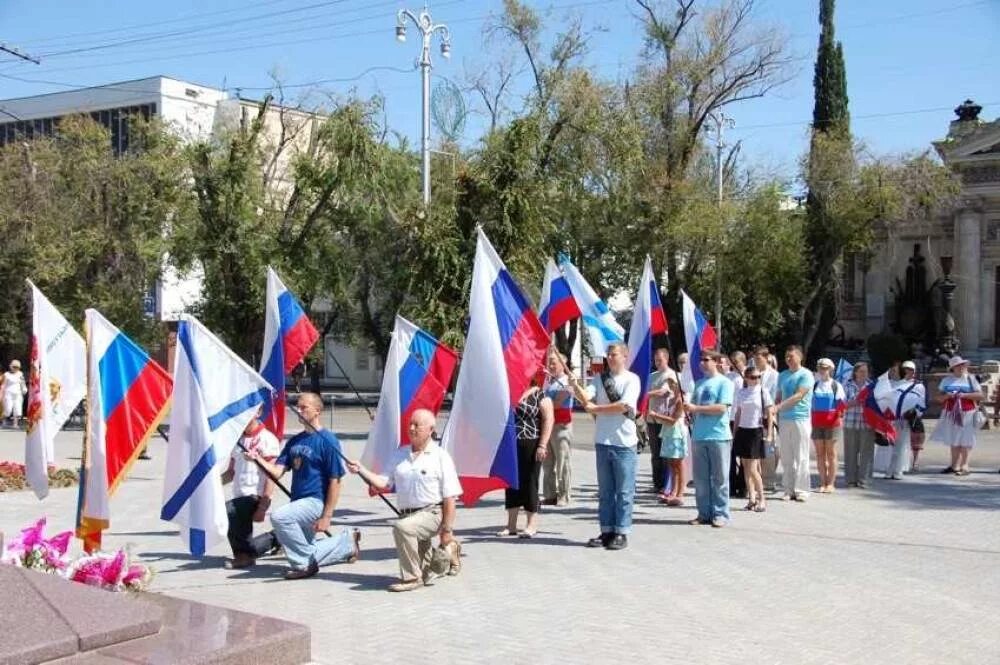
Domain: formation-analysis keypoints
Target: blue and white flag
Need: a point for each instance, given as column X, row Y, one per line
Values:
column 215, row 396
column 602, row 329
column 843, row 372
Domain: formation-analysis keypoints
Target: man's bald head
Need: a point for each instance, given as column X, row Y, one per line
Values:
column 423, row 417
column 422, row 424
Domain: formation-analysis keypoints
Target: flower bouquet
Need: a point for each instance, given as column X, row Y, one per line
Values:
column 113, row 571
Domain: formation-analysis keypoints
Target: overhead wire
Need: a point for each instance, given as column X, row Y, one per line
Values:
column 161, row 35
column 228, row 35
column 295, row 42
column 188, row 17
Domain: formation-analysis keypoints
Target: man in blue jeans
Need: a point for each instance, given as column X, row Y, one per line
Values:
column 314, row 457
column 712, row 442
column 615, row 394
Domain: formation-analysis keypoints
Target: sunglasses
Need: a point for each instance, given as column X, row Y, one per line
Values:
column 705, row 360
column 752, row 376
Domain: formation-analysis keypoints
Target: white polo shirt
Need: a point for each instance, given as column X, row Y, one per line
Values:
column 424, row 478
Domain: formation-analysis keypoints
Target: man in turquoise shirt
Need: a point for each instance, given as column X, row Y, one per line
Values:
column 795, row 387
column 712, row 442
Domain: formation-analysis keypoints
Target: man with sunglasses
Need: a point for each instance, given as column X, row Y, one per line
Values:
column 712, row 442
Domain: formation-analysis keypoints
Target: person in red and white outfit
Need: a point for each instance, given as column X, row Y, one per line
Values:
column 960, row 397
column 252, row 491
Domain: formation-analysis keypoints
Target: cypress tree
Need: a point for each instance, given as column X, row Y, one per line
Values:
column 830, row 77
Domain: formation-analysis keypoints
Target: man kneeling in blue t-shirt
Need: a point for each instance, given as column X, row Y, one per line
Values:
column 314, row 458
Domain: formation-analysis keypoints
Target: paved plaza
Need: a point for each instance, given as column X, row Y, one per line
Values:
column 907, row 572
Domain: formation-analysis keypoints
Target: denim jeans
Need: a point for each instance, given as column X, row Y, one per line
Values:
column 615, row 487
column 293, row 526
column 711, row 478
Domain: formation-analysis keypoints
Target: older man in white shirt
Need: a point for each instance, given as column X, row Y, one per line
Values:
column 426, row 484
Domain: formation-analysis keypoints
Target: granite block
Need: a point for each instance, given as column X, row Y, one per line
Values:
column 89, row 658
column 31, row 631
column 98, row 617
column 197, row 633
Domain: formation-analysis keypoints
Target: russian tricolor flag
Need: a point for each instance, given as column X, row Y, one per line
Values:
column 504, row 348
column 647, row 320
column 876, row 399
column 417, row 374
column 288, row 336
column 127, row 397
column 557, row 305
column 699, row 335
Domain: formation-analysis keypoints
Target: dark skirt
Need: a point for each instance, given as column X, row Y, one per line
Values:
column 749, row 443
column 528, row 471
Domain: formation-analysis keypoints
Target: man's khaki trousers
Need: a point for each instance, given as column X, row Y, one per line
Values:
column 413, row 535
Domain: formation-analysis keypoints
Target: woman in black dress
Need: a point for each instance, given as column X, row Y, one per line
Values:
column 533, row 418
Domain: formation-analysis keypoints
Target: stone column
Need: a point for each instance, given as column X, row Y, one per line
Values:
column 968, row 300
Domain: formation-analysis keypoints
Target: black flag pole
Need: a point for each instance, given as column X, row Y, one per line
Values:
column 344, row 458
column 350, row 384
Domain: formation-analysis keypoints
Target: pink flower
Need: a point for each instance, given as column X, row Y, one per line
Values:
column 29, row 537
column 137, row 576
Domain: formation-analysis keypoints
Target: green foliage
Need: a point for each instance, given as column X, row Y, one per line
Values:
column 884, row 350
column 830, row 112
column 88, row 227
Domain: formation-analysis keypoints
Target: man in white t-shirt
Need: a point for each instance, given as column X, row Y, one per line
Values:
column 615, row 440
column 252, row 491
column 426, row 484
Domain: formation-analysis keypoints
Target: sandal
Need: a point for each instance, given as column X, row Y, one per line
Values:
column 759, row 508
column 675, row 501
column 750, row 505
column 502, row 533
column 527, row 534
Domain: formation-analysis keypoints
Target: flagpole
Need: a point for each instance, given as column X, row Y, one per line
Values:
column 344, row 458
column 350, row 384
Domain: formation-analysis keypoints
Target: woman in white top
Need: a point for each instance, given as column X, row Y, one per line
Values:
column 754, row 407
column 13, row 391
column 960, row 397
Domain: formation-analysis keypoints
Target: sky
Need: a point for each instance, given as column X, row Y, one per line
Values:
column 909, row 62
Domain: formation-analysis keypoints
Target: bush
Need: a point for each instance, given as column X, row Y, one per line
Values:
column 884, row 349
column 12, row 477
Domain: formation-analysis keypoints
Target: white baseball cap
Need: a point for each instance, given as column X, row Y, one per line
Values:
column 909, row 364
column 825, row 362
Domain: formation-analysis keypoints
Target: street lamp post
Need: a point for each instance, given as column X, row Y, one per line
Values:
column 721, row 122
column 427, row 29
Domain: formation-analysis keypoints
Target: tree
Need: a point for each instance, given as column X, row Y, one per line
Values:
column 89, row 227
column 829, row 176
column 697, row 64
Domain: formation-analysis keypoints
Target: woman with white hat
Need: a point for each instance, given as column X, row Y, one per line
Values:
column 13, row 392
column 828, row 405
column 960, row 396
column 909, row 401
